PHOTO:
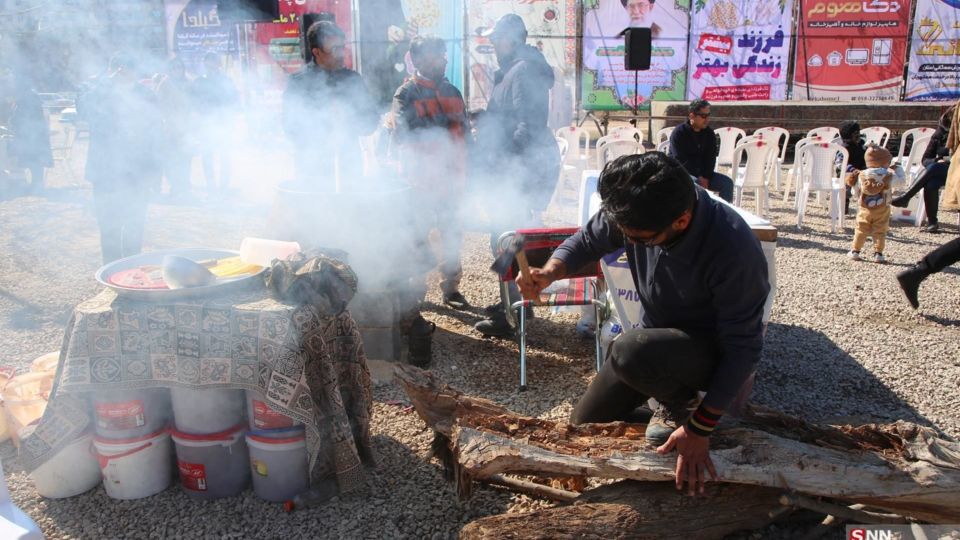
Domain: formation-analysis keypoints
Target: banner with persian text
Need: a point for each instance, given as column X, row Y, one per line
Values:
column 851, row 51
column 606, row 84
column 934, row 72
column 739, row 50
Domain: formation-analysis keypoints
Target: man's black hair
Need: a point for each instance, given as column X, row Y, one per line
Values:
column 848, row 128
column 426, row 45
column 646, row 191
column 698, row 104
column 624, row 2
column 320, row 30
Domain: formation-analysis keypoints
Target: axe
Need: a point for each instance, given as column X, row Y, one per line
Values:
column 514, row 250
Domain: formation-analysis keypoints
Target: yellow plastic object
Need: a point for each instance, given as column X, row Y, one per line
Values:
column 233, row 267
column 24, row 400
column 5, row 375
column 47, row 362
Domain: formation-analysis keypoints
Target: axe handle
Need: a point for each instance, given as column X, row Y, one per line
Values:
column 525, row 268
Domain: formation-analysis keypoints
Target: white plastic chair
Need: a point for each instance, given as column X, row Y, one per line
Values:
column 827, row 132
column 611, row 147
column 751, row 163
column 623, row 132
column 912, row 167
column 729, row 137
column 876, row 135
column 663, row 135
column 577, row 138
column 819, row 172
column 914, row 133
column 794, row 172
column 780, row 138
column 663, row 146
column 564, row 147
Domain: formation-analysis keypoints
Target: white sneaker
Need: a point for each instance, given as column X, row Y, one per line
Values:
column 879, row 258
column 854, row 255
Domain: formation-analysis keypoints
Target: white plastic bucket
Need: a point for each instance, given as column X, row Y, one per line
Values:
column 209, row 410
column 212, row 466
column 261, row 416
column 278, row 465
column 130, row 414
column 71, row 471
column 135, row 468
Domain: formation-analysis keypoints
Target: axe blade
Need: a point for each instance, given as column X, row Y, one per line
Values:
column 501, row 265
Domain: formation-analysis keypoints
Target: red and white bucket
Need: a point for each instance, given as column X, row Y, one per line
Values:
column 262, row 416
column 212, row 466
column 129, row 414
column 135, row 468
column 71, row 471
column 278, row 465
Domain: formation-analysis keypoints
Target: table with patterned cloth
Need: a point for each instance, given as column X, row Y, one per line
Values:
column 308, row 364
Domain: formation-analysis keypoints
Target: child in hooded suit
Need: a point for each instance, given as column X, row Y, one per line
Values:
column 873, row 215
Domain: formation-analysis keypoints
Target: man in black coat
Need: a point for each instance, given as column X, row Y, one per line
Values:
column 694, row 145
column 326, row 109
column 518, row 154
column 122, row 158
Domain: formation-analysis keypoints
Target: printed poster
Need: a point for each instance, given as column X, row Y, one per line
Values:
column 851, row 51
column 606, row 85
column 551, row 27
column 934, row 72
column 194, row 29
column 739, row 50
column 386, row 28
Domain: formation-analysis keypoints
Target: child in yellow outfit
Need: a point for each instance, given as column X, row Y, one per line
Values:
column 873, row 216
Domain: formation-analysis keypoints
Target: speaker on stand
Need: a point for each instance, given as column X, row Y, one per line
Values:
column 637, row 46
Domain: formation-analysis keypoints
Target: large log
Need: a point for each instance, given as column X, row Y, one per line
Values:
column 902, row 468
column 637, row 510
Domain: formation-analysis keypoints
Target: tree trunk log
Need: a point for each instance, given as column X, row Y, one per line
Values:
column 902, row 468
column 640, row 510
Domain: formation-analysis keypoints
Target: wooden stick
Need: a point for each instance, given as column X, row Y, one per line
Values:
column 531, row 488
column 525, row 270
column 842, row 512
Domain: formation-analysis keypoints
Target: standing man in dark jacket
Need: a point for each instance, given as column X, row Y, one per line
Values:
column 429, row 137
column 326, row 109
column 519, row 156
column 694, row 145
column 702, row 282
column 31, row 133
column 936, row 161
column 122, row 158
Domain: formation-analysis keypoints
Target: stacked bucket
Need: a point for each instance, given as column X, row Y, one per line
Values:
column 217, row 451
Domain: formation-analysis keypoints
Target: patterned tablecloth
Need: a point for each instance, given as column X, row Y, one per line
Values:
column 310, row 365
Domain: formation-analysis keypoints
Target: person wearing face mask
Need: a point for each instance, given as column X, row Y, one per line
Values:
column 429, row 137
column 514, row 144
column 326, row 109
column 702, row 282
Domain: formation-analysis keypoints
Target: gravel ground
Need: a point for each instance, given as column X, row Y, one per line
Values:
column 842, row 345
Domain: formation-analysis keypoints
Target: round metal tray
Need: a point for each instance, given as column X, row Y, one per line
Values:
column 172, row 295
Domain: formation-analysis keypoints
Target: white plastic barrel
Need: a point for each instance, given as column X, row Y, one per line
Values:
column 129, row 414
column 278, row 465
column 71, row 471
column 208, row 410
column 261, row 416
column 213, row 466
column 135, row 468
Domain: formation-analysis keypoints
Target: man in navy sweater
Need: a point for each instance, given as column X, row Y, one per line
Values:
column 702, row 283
column 694, row 145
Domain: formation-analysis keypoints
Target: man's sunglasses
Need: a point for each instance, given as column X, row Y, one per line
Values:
column 702, row 115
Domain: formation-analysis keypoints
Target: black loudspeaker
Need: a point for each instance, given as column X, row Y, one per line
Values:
column 234, row 11
column 307, row 20
column 638, row 44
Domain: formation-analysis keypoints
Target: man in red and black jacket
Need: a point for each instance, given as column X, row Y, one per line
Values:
column 429, row 140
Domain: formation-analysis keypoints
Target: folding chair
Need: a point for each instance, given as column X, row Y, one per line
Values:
column 581, row 288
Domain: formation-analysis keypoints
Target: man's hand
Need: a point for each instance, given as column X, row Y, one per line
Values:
column 540, row 279
column 693, row 458
column 704, row 182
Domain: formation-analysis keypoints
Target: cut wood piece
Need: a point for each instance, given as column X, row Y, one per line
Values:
column 638, row 510
column 902, row 468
